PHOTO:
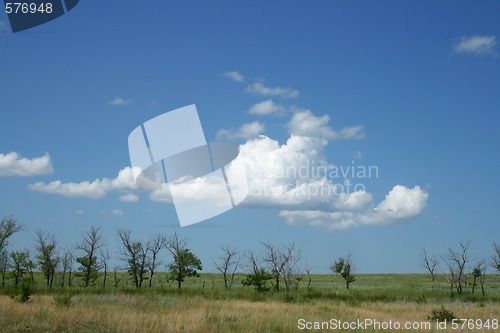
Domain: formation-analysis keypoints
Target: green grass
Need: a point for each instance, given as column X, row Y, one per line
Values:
column 366, row 288
column 204, row 305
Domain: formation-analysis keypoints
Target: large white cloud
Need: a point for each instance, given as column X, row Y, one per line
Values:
column 401, row 204
column 305, row 123
column 12, row 164
column 476, row 45
column 96, row 189
column 297, row 179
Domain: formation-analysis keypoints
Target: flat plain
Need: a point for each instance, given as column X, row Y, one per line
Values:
column 204, row 305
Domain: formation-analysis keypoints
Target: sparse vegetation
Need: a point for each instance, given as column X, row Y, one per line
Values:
column 284, row 289
column 442, row 315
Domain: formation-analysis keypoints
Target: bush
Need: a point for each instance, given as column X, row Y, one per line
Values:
column 62, row 301
column 441, row 315
column 258, row 280
column 23, row 293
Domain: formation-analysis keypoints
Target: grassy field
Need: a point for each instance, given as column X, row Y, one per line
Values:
column 203, row 305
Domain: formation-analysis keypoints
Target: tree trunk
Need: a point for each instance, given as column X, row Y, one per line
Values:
column 179, row 278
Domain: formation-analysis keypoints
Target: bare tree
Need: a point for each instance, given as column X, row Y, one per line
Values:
column 343, row 266
column 8, row 227
column 116, row 276
column 104, row 256
column 67, row 266
column 429, row 263
column 478, row 275
column 135, row 254
column 228, row 264
column 156, row 244
column 252, row 261
column 91, row 243
column 4, row 264
column 308, row 269
column 47, row 255
column 495, row 259
column 283, row 262
column 457, row 260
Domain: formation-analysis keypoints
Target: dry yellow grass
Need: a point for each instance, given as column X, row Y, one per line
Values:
column 125, row 313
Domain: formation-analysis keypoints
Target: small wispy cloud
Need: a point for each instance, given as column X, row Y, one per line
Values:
column 80, row 212
column 119, row 101
column 247, row 132
column 476, row 45
column 305, row 123
column 259, row 88
column 235, row 76
column 115, row 212
column 266, row 108
column 129, row 197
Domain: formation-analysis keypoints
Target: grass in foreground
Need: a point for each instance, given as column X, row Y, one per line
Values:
column 176, row 313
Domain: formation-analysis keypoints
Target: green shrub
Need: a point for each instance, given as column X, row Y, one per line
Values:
column 23, row 292
column 441, row 315
column 62, row 301
column 26, row 290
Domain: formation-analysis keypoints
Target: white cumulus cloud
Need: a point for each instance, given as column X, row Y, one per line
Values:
column 266, row 108
column 305, row 123
column 96, row 189
column 401, row 203
column 246, row 132
column 235, row 76
column 297, row 179
column 12, row 164
column 476, row 45
column 259, row 88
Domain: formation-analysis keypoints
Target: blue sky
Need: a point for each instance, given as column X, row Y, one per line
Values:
column 411, row 88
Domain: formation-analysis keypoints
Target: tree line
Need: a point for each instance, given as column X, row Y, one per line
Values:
column 461, row 269
column 278, row 267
